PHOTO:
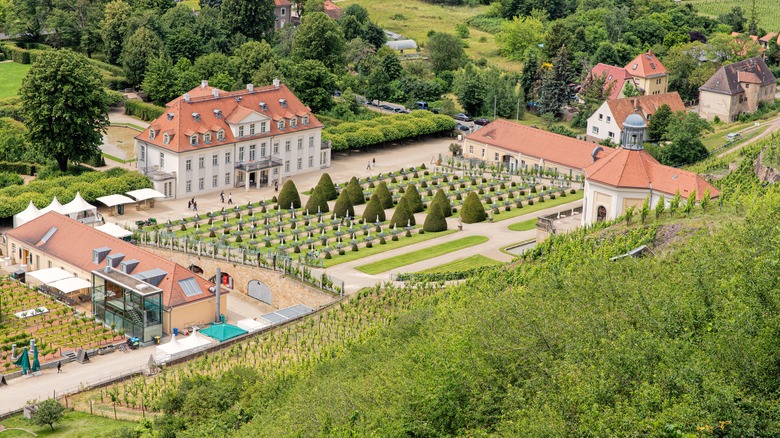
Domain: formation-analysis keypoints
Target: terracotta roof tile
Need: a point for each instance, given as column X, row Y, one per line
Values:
column 280, row 3
column 331, row 10
column 638, row 169
column 727, row 79
column 233, row 107
column 646, row 65
column 768, row 37
column 61, row 246
column 648, row 105
column 613, row 75
column 537, row 143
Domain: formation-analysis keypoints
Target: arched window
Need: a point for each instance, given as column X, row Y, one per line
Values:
column 194, row 140
column 601, row 213
column 305, row 120
column 221, row 134
column 152, row 134
column 280, row 124
column 166, row 138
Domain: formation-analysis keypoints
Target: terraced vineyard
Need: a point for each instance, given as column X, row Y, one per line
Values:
column 766, row 10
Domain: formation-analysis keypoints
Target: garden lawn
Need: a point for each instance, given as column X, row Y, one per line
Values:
column 74, row 424
column 420, row 255
column 530, row 224
column 12, row 75
column 475, row 261
column 378, row 248
column 504, row 215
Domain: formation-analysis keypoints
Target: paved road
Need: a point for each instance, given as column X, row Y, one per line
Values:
column 774, row 125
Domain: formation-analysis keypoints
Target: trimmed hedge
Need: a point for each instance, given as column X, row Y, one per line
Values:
column 144, row 111
column 289, row 196
column 343, row 206
column 435, row 220
column 355, row 135
column 355, row 192
column 373, row 210
column 403, row 215
column 11, row 107
column 317, row 202
column 385, row 198
column 327, row 187
column 473, row 211
column 19, row 168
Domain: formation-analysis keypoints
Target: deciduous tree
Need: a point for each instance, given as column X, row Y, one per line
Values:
column 252, row 18
column 445, row 52
column 320, row 38
column 47, row 413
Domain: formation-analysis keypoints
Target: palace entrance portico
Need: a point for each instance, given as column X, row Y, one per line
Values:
column 258, row 173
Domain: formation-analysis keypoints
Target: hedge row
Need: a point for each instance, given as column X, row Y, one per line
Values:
column 18, row 54
column 144, row 111
column 91, row 185
column 355, row 135
column 11, row 107
column 19, row 168
column 444, row 276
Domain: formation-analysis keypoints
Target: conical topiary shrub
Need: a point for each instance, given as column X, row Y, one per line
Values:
column 413, row 198
column 343, row 206
column 355, row 192
column 473, row 211
column 327, row 187
column 373, row 210
column 315, row 201
column 441, row 198
column 403, row 215
column 435, row 220
column 289, row 196
column 385, row 198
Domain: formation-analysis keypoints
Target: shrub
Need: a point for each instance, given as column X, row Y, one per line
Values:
column 435, row 220
column 354, row 247
column 572, row 191
column 394, row 238
column 413, row 198
column 473, row 211
column 326, row 186
column 382, row 241
column 530, row 202
column 355, row 192
column 297, row 249
column 373, row 210
column 385, row 198
column 408, row 233
column 507, row 208
column 289, row 196
column 239, row 239
column 541, row 198
column 343, row 206
column 441, row 199
column 421, row 231
column 317, row 201
column 142, row 110
column 341, row 252
column 403, row 215
column 327, row 255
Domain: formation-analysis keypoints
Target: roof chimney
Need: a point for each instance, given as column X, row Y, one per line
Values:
column 170, row 116
column 204, row 83
column 283, row 103
column 276, row 83
column 250, row 88
column 215, row 92
column 187, row 97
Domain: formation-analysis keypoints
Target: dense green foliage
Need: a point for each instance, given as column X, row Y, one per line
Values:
column 355, row 192
column 378, row 130
column 48, row 412
column 288, row 196
column 472, row 211
column 327, row 187
column 343, row 206
column 374, row 211
column 435, row 220
column 385, row 198
column 413, row 198
column 402, row 216
column 317, row 202
column 144, row 111
column 442, row 199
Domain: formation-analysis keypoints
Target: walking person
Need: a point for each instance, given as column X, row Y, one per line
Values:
column 59, row 366
column 222, row 196
column 276, row 186
column 192, row 202
column 189, row 205
column 369, row 166
column 194, row 206
column 373, row 161
column 230, row 198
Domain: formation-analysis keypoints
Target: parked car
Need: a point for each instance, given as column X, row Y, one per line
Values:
column 422, row 105
column 462, row 127
column 481, row 121
column 386, row 107
column 462, row 117
column 733, row 136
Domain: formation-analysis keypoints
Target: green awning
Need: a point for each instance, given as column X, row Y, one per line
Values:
column 223, row 332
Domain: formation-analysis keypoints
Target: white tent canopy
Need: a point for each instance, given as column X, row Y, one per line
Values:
column 70, row 284
column 179, row 347
column 251, row 325
column 49, row 275
column 114, row 230
column 54, row 206
column 81, row 210
column 113, row 200
column 144, row 194
column 196, row 340
column 29, row 213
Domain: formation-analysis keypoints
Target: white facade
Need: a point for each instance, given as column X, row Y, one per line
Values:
column 615, row 201
column 602, row 125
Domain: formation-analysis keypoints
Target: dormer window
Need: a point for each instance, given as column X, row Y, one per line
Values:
column 305, row 120
column 294, row 122
column 221, row 135
column 152, row 134
column 194, row 140
column 207, row 137
column 280, row 124
column 240, row 131
column 166, row 138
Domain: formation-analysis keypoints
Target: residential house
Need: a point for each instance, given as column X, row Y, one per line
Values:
column 645, row 72
column 132, row 289
column 615, row 79
column 282, row 12
column 331, row 10
column 209, row 140
column 629, row 175
column 737, row 88
column 518, row 147
column 606, row 121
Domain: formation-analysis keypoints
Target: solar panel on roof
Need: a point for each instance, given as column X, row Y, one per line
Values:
column 152, row 276
column 48, row 234
column 274, row 317
column 652, row 65
column 190, row 287
column 287, row 313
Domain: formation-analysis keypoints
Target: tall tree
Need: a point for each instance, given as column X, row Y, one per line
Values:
column 734, row 18
column 659, row 122
column 684, row 134
column 113, row 29
column 518, row 35
column 143, row 46
column 64, row 106
column 320, row 38
column 470, row 90
column 593, row 92
column 27, row 19
column 446, row 52
column 530, row 74
column 160, row 81
column 253, row 18
column 313, row 83
column 554, row 92
column 249, row 57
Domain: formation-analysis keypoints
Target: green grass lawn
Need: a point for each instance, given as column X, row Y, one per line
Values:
column 377, row 248
column 11, row 75
column 530, row 224
column 74, row 424
column 420, row 255
column 504, row 215
column 475, row 261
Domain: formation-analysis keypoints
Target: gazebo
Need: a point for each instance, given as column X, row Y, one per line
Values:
column 81, row 210
column 145, row 195
column 29, row 213
column 117, row 201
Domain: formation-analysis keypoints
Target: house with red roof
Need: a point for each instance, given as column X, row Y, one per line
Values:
column 132, row 289
column 629, row 175
column 607, row 121
column 737, row 88
column 282, row 13
column 645, row 72
column 210, row 140
column 331, row 10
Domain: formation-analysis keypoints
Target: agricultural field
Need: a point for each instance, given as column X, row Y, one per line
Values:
column 73, row 424
column 57, row 330
column 12, row 74
column 263, row 229
column 768, row 15
column 415, row 18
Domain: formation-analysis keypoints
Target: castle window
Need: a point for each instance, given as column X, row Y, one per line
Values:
column 194, row 140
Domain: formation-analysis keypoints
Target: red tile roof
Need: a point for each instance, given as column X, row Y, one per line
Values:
column 768, row 37
column 280, row 3
column 232, row 106
column 73, row 243
column 639, row 170
column 647, row 104
column 615, row 76
column 537, row 143
column 646, row 65
column 331, row 10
